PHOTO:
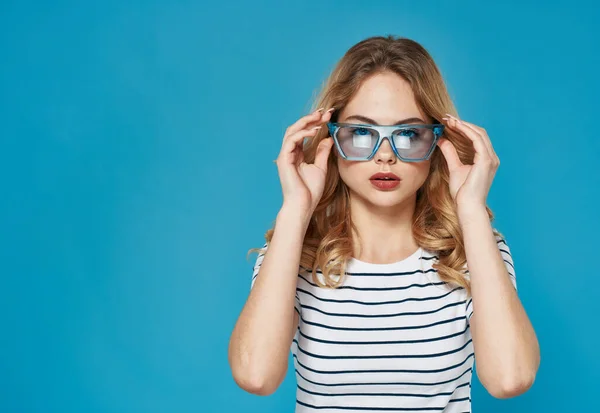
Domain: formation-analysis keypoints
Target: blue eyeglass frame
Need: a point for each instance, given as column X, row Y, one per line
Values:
column 385, row 132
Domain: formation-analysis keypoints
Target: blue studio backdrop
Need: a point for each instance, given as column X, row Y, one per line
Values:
column 137, row 147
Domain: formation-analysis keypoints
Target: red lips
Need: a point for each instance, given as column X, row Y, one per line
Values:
column 385, row 175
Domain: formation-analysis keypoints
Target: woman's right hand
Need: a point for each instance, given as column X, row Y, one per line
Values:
column 302, row 183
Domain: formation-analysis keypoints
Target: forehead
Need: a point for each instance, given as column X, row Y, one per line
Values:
column 385, row 98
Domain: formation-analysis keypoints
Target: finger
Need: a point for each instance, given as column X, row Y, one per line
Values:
column 295, row 140
column 481, row 151
column 450, row 154
column 302, row 123
column 323, row 151
column 480, row 131
column 327, row 115
column 298, row 154
column 486, row 139
column 305, row 122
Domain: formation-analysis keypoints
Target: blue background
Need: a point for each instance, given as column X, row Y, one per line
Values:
column 136, row 160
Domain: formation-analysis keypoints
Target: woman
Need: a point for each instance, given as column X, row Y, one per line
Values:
column 364, row 275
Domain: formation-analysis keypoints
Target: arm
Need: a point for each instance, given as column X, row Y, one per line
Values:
column 261, row 339
column 263, row 334
column 506, row 348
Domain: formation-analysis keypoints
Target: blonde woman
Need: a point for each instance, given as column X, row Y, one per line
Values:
column 364, row 276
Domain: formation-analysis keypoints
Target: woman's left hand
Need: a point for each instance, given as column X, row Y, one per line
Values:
column 470, row 184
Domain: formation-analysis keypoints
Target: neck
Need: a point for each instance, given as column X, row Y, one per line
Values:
column 385, row 232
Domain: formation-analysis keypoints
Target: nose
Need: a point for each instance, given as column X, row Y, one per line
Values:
column 385, row 153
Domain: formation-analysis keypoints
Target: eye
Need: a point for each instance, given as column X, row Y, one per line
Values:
column 361, row 131
column 411, row 133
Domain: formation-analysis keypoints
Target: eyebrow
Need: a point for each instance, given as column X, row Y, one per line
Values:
column 372, row 122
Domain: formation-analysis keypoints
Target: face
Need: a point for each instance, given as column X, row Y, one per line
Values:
column 383, row 99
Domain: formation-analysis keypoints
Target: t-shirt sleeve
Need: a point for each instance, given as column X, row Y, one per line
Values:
column 509, row 264
column 256, row 274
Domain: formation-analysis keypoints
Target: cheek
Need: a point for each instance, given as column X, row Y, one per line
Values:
column 417, row 173
column 352, row 172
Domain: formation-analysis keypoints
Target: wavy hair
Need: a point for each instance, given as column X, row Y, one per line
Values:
column 328, row 242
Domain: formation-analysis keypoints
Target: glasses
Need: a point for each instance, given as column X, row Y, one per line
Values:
column 410, row 143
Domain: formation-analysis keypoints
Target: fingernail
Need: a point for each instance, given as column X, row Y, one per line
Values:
column 317, row 128
column 330, row 110
column 319, row 110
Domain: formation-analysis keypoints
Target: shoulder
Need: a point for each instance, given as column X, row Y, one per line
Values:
column 259, row 258
column 502, row 242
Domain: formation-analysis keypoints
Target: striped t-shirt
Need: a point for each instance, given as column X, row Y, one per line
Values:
column 392, row 338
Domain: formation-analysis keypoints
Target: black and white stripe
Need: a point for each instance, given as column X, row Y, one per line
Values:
column 392, row 338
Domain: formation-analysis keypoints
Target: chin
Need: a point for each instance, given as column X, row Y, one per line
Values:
column 390, row 202
column 384, row 199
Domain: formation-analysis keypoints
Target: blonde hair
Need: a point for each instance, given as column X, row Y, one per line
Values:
column 328, row 241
